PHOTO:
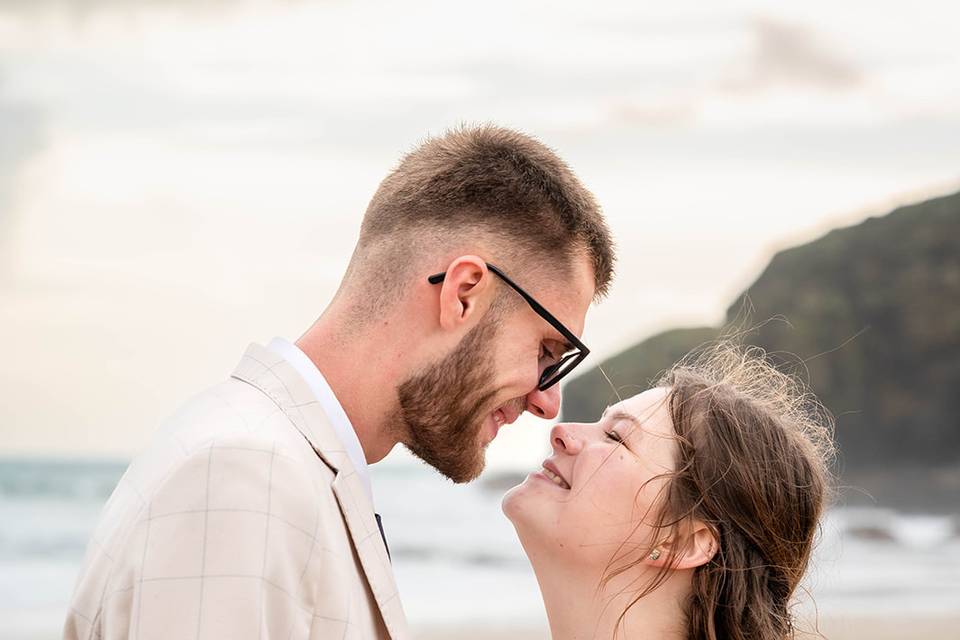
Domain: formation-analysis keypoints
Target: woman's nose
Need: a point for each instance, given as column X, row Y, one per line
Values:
column 563, row 439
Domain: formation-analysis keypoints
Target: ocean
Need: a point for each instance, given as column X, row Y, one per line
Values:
column 456, row 557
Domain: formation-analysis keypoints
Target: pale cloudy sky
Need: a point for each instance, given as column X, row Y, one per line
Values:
column 178, row 179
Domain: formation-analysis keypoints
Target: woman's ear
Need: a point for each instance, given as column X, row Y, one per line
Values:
column 690, row 550
column 462, row 296
column 699, row 548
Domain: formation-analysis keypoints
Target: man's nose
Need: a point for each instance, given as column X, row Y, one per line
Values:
column 544, row 404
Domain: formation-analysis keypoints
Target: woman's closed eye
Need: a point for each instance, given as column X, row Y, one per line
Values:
column 622, row 426
column 613, row 435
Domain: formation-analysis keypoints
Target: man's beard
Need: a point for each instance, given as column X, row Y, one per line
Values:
column 443, row 406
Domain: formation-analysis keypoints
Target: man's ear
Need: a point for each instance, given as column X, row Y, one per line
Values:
column 462, row 294
column 696, row 548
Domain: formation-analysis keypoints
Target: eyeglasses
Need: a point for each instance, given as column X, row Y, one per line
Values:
column 576, row 350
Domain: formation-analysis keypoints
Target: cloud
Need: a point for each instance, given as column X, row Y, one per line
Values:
column 21, row 136
column 791, row 54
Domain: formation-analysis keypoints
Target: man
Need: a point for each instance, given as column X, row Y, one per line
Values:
column 251, row 514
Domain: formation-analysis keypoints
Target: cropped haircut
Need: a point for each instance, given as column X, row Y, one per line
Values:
column 502, row 188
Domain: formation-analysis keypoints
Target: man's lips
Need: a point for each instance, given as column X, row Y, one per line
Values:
column 553, row 474
column 505, row 415
column 501, row 416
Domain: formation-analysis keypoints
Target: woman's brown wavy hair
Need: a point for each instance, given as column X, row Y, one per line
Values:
column 752, row 462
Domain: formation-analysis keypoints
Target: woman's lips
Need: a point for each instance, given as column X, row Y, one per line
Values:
column 552, row 474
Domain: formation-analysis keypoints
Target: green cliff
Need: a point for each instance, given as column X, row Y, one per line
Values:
column 869, row 315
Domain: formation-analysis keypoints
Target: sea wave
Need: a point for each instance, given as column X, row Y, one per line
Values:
column 868, row 560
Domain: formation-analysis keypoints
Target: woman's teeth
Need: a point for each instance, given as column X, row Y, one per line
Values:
column 499, row 418
column 557, row 480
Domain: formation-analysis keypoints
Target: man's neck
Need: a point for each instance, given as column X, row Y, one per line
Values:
column 363, row 380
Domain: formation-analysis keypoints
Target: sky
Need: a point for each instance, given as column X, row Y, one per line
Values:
column 178, row 179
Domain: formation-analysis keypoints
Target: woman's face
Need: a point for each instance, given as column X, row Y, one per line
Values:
column 600, row 487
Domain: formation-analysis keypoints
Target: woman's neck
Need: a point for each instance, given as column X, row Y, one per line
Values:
column 577, row 610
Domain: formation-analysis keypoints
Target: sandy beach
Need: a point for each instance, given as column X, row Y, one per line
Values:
column 832, row 628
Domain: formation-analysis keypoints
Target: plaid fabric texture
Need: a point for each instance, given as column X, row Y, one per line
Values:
column 243, row 519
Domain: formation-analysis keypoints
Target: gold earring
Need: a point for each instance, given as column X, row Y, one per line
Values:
column 655, row 554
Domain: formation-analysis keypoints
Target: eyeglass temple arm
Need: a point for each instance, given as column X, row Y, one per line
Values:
column 437, row 278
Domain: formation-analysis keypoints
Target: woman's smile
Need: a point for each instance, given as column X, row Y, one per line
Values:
column 552, row 474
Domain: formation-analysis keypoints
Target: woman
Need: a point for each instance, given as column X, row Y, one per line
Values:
column 687, row 511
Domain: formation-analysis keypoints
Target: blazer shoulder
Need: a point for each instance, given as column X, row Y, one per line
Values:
column 230, row 411
column 232, row 423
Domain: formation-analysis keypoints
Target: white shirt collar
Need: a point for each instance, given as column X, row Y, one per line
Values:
column 331, row 406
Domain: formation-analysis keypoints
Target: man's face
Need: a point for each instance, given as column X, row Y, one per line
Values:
column 453, row 409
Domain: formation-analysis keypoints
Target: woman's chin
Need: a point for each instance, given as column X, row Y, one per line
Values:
column 516, row 500
column 509, row 504
column 522, row 503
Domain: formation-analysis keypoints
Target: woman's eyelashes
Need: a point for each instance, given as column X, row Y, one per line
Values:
column 622, row 425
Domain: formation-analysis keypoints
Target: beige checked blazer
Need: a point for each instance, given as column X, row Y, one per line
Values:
column 243, row 519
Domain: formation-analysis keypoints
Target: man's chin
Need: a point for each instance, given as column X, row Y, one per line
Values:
column 461, row 473
column 457, row 470
column 467, row 477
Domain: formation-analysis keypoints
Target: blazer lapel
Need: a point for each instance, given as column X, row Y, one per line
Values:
column 275, row 377
column 370, row 547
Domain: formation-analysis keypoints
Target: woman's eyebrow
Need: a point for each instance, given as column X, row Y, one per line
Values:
column 620, row 414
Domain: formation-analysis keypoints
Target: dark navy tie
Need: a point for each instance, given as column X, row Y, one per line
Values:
column 380, row 526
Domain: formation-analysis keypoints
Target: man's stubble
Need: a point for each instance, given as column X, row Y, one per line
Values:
column 443, row 408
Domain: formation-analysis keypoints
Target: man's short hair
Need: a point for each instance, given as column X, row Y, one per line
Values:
column 502, row 185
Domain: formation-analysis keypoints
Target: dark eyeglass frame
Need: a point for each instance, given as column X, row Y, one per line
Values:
column 577, row 356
